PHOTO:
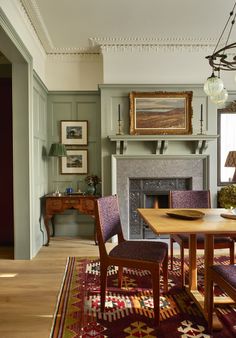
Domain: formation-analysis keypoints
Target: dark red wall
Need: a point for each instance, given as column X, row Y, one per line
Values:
column 6, row 163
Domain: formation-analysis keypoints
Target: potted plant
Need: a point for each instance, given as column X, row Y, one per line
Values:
column 92, row 182
column 227, row 197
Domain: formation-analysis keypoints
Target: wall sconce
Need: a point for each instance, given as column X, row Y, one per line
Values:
column 231, row 162
column 57, row 150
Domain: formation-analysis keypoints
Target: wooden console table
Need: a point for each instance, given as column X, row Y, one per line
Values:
column 58, row 204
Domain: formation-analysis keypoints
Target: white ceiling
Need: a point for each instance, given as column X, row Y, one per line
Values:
column 75, row 25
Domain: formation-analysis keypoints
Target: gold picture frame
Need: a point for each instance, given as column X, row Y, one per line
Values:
column 154, row 113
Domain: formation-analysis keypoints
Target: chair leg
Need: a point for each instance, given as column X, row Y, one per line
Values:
column 120, row 276
column 156, row 292
column 165, row 274
column 231, row 253
column 182, row 265
column 171, row 252
column 210, row 302
column 103, row 282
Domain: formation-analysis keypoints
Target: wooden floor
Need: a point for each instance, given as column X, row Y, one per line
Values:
column 29, row 289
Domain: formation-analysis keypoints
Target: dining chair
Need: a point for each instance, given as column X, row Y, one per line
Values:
column 225, row 277
column 194, row 199
column 144, row 255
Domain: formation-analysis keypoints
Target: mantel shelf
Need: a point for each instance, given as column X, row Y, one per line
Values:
column 200, row 141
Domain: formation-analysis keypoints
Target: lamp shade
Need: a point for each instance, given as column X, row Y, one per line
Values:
column 57, row 149
column 231, row 159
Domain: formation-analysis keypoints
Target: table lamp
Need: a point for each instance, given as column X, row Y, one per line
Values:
column 231, row 162
column 57, row 150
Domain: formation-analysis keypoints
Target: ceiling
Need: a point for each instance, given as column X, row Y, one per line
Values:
column 79, row 26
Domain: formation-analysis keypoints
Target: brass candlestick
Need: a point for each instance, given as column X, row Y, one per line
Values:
column 201, row 121
column 201, row 124
column 120, row 127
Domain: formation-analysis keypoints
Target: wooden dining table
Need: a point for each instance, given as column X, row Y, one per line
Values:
column 212, row 223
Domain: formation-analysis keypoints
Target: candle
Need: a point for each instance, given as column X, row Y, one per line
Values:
column 119, row 112
column 201, row 113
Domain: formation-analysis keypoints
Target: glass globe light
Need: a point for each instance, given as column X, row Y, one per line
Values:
column 213, row 85
column 221, row 98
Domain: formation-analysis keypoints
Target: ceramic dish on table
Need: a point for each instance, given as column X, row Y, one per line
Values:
column 186, row 214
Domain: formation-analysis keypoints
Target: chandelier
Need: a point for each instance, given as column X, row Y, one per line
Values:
column 222, row 59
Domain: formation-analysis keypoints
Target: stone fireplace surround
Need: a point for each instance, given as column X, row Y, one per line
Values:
column 189, row 168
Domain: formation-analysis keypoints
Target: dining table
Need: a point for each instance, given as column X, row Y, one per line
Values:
column 210, row 222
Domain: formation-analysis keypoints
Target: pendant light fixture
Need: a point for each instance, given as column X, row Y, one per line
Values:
column 222, row 59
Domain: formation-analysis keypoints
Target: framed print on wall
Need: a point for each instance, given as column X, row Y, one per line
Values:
column 76, row 162
column 74, row 132
column 160, row 113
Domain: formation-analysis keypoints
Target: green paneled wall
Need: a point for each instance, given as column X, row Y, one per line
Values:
column 74, row 106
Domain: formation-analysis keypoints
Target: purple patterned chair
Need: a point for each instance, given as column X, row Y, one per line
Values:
column 145, row 255
column 225, row 277
column 194, row 199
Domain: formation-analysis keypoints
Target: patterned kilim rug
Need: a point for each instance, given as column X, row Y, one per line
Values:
column 129, row 312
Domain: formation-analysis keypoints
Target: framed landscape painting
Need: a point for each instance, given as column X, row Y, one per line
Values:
column 74, row 132
column 160, row 113
column 76, row 162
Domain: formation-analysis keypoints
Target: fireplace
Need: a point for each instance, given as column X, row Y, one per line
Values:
column 150, row 193
column 145, row 181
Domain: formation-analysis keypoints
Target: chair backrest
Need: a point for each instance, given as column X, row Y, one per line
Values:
column 108, row 219
column 189, row 199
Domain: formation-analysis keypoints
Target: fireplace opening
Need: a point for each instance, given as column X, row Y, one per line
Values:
column 154, row 200
column 150, row 193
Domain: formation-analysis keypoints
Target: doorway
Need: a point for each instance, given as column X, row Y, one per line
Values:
column 7, row 227
column 21, row 82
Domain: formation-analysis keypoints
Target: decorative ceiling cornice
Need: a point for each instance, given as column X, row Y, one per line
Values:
column 73, row 57
column 139, row 44
column 32, row 12
column 152, row 41
column 98, row 45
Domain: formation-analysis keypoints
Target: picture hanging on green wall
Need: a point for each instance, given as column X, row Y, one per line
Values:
column 76, row 162
column 74, row 132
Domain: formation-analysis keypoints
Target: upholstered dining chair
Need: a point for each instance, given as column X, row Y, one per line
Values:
column 225, row 277
column 194, row 199
column 144, row 255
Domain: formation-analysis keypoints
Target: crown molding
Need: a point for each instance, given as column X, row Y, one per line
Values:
column 139, row 44
column 34, row 16
column 75, row 57
column 150, row 41
column 98, row 45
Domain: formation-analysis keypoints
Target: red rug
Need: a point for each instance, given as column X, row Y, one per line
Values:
column 129, row 312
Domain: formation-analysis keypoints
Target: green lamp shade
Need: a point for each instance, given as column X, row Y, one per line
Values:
column 57, row 149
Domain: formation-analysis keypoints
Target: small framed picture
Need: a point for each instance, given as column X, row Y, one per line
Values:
column 74, row 132
column 76, row 162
